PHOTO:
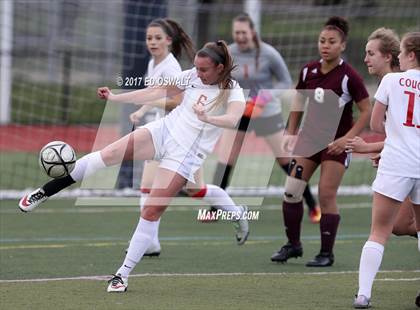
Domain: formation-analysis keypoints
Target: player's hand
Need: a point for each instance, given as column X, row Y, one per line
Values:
column 375, row 160
column 338, row 146
column 357, row 145
column 288, row 143
column 136, row 116
column 201, row 112
column 104, row 93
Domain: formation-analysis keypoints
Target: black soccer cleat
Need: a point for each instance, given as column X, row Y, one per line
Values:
column 418, row 300
column 321, row 260
column 152, row 254
column 287, row 251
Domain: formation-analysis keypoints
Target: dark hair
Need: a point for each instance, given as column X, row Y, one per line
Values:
column 180, row 39
column 411, row 43
column 389, row 43
column 245, row 18
column 338, row 24
column 218, row 52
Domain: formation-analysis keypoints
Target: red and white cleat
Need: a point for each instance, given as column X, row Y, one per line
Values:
column 117, row 284
column 32, row 200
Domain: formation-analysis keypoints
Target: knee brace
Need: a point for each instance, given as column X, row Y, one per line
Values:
column 294, row 189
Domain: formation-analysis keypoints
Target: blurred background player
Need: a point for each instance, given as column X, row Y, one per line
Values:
column 381, row 58
column 260, row 69
column 398, row 175
column 331, row 72
column 180, row 141
column 165, row 40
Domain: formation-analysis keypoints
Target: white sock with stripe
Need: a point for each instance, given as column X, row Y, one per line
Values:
column 218, row 198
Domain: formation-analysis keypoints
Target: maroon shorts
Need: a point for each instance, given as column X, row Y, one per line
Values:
column 343, row 158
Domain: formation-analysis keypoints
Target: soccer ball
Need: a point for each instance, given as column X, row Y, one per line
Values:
column 57, row 159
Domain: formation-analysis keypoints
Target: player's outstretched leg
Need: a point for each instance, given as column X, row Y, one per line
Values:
column 85, row 166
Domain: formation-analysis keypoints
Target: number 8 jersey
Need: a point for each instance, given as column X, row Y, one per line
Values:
column 400, row 92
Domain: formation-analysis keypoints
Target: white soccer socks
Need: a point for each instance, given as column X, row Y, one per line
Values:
column 218, row 198
column 370, row 261
column 87, row 165
column 154, row 247
column 140, row 242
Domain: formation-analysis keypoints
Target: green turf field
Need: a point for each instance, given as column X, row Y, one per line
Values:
column 21, row 170
column 201, row 267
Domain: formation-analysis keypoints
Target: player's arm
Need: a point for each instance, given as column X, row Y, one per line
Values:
column 362, row 120
column 168, row 103
column 358, row 145
column 339, row 145
column 136, row 116
column 228, row 120
column 377, row 122
column 146, row 96
column 280, row 71
column 295, row 115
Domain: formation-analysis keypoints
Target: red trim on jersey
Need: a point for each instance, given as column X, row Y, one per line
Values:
column 201, row 193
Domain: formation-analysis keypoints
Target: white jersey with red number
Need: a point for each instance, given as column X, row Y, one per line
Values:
column 167, row 68
column 183, row 124
column 400, row 92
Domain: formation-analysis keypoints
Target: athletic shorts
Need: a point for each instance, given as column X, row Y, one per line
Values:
column 343, row 158
column 170, row 154
column 397, row 187
column 263, row 126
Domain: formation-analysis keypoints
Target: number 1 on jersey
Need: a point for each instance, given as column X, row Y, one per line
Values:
column 410, row 110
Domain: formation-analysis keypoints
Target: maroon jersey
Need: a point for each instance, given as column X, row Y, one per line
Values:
column 345, row 82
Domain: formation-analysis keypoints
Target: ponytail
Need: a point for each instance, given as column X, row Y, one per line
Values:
column 411, row 43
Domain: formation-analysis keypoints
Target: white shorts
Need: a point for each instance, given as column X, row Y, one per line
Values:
column 397, row 187
column 170, row 154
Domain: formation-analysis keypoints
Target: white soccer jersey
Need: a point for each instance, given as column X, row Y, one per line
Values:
column 182, row 122
column 401, row 153
column 167, row 68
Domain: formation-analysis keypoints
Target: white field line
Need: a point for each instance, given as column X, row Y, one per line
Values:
column 397, row 280
column 197, row 275
column 92, row 241
column 123, row 209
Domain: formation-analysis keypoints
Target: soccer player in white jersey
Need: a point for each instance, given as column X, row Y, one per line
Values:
column 381, row 58
column 398, row 176
column 180, row 141
column 165, row 40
